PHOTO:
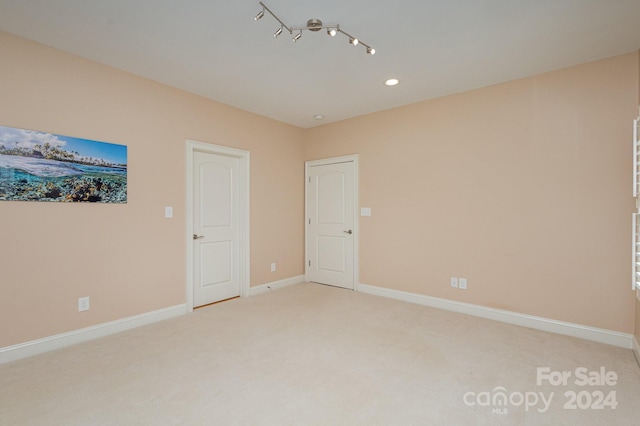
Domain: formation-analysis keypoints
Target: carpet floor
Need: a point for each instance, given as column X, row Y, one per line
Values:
column 316, row 355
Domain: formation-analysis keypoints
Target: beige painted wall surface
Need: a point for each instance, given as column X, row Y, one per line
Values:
column 128, row 258
column 523, row 188
column 637, row 322
column 637, row 303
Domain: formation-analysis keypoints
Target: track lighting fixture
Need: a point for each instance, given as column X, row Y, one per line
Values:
column 312, row 25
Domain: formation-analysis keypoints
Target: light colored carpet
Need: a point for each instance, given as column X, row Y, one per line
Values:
column 316, row 355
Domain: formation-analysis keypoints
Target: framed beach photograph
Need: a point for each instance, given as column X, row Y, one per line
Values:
column 37, row 166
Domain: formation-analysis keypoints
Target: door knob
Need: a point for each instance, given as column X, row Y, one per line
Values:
column 197, row 237
column 348, row 232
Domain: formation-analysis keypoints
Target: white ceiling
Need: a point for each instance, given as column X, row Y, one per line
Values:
column 216, row 49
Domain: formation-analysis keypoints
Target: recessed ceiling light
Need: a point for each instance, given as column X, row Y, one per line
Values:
column 391, row 82
column 319, row 117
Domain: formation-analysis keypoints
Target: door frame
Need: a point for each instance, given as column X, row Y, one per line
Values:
column 245, row 192
column 354, row 158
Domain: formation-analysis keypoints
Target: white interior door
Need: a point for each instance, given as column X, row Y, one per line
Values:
column 216, row 228
column 331, row 224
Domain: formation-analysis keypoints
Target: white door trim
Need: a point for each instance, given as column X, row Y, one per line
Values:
column 354, row 158
column 245, row 190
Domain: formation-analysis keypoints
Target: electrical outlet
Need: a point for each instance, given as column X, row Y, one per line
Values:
column 83, row 304
column 462, row 283
column 273, row 267
column 454, row 282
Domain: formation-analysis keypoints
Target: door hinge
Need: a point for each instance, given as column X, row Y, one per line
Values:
column 309, row 263
column 309, row 179
column 309, row 221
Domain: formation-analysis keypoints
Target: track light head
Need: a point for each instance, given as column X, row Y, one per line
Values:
column 297, row 36
column 259, row 15
column 278, row 32
column 353, row 41
column 371, row 51
column 332, row 32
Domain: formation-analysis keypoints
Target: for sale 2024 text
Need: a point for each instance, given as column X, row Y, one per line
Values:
column 595, row 382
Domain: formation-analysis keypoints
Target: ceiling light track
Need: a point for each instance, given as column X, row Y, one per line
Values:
column 312, row 25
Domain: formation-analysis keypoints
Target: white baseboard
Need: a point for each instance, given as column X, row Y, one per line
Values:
column 265, row 288
column 636, row 350
column 35, row 347
column 609, row 337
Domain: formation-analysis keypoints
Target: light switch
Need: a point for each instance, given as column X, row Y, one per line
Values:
column 168, row 212
column 365, row 211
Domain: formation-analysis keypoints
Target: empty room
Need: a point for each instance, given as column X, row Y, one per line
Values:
column 319, row 213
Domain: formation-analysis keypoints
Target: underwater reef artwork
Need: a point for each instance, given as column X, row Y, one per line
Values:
column 37, row 166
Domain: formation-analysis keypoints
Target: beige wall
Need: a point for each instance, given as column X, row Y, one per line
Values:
column 637, row 319
column 128, row 258
column 524, row 188
column 637, row 303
